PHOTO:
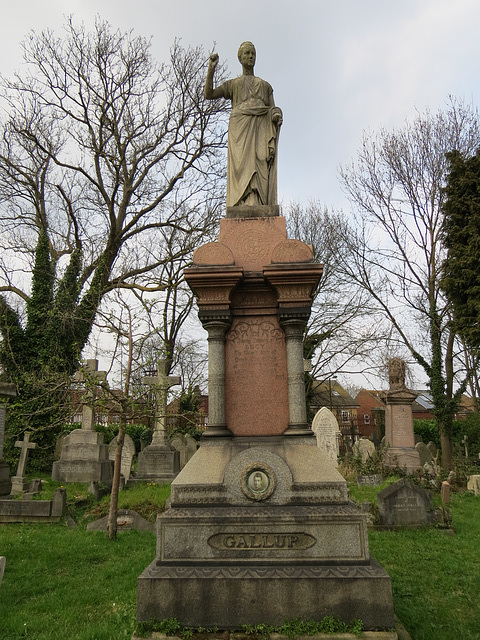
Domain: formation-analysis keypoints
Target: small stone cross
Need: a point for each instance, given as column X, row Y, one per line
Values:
column 89, row 372
column 24, row 445
column 161, row 383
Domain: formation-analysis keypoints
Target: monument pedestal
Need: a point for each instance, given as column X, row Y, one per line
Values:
column 20, row 484
column 157, row 463
column 84, row 458
column 261, row 530
column 399, row 430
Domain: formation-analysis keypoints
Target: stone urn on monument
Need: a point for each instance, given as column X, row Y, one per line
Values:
column 260, row 528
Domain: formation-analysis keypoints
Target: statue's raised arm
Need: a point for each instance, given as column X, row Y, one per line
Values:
column 253, row 132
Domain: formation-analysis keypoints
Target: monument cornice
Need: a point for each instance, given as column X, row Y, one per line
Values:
column 399, row 396
column 294, row 283
column 213, row 286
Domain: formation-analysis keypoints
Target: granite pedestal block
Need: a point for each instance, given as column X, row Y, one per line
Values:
column 84, row 458
column 260, row 530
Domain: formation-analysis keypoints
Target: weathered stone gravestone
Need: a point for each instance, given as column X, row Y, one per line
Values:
column 186, row 446
column 126, row 521
column 424, row 453
column 327, row 432
column 192, row 446
column 432, row 447
column 59, row 445
column 84, row 455
column 2, row 567
column 159, row 461
column 372, row 480
column 178, row 442
column 405, row 503
column 128, row 453
column 7, row 390
column 446, row 490
column 473, row 484
column 19, row 482
column 364, row 448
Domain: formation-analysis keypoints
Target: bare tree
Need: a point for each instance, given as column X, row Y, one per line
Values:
column 112, row 164
column 340, row 335
column 396, row 186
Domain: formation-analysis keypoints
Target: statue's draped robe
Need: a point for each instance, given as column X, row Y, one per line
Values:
column 252, row 142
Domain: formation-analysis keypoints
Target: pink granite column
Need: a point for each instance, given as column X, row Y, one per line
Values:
column 294, row 329
column 216, row 378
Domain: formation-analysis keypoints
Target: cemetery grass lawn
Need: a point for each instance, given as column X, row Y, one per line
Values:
column 436, row 576
column 62, row 583
column 69, row 584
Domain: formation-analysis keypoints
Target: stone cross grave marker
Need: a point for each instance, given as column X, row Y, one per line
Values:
column 89, row 372
column 160, row 384
column 25, row 445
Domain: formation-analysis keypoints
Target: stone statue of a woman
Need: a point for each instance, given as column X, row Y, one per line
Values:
column 253, row 132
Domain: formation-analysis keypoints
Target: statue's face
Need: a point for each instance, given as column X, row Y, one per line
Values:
column 248, row 56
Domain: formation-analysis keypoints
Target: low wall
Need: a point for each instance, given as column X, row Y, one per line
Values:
column 44, row 511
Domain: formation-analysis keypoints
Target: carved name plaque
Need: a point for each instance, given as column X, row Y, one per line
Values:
column 285, row 541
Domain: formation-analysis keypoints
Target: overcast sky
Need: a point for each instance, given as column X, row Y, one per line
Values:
column 337, row 68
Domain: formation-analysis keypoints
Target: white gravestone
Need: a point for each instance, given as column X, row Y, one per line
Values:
column 325, row 427
column 128, row 453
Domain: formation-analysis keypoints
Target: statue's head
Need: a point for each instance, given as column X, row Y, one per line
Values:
column 246, row 47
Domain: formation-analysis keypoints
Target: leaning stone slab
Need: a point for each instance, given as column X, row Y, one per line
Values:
column 2, row 567
column 372, row 480
column 126, row 520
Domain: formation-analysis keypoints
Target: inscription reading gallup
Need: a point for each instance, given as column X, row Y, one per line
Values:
column 286, row 541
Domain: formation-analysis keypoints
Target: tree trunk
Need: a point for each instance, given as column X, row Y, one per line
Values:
column 112, row 514
column 447, row 454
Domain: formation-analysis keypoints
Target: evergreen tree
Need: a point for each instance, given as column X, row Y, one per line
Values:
column 461, row 234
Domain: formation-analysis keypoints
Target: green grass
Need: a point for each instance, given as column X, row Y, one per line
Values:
column 64, row 583
column 436, row 576
column 69, row 584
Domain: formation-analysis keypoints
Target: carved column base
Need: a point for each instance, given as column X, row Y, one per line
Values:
column 298, row 430
column 217, row 432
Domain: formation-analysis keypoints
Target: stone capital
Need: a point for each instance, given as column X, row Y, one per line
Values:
column 295, row 284
column 399, row 396
column 294, row 324
column 213, row 287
